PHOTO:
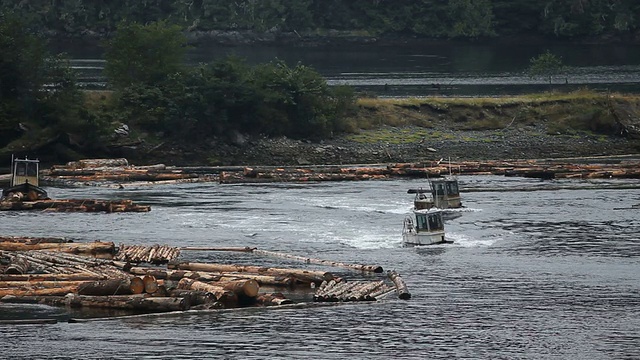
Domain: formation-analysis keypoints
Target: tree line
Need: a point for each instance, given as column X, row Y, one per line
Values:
column 152, row 91
column 421, row 18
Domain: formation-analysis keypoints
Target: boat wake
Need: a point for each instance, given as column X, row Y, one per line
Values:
column 464, row 240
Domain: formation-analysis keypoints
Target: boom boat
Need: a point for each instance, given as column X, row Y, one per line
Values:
column 24, row 184
column 443, row 193
column 426, row 227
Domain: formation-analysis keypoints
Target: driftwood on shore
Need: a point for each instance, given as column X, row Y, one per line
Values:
column 57, row 272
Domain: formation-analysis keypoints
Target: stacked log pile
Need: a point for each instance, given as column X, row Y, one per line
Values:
column 545, row 169
column 58, row 272
column 155, row 254
column 341, row 290
column 118, row 172
column 524, row 168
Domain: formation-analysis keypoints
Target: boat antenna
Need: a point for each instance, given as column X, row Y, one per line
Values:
column 449, row 165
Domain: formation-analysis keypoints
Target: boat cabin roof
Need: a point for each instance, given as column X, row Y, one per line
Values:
column 427, row 211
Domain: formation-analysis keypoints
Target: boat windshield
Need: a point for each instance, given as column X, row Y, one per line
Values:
column 435, row 222
column 452, row 188
column 21, row 169
column 421, row 222
column 429, row 222
column 438, row 188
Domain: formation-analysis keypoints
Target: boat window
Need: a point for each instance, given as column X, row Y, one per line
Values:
column 421, row 222
column 435, row 222
column 438, row 189
column 452, row 188
column 32, row 169
column 21, row 169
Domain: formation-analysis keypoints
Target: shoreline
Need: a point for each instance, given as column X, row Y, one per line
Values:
column 334, row 38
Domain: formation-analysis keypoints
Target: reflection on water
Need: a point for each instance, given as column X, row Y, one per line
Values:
column 460, row 69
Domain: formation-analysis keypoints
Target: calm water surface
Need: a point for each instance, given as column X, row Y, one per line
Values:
column 444, row 69
column 548, row 274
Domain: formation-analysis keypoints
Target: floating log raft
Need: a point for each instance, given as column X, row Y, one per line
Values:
column 95, row 247
column 60, row 273
column 76, row 205
column 526, row 168
column 155, row 254
column 310, row 276
column 359, row 267
column 333, row 291
column 118, row 172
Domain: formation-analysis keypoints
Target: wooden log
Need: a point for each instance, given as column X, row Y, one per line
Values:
column 363, row 291
column 242, row 288
column 303, row 275
column 18, row 266
column 38, row 291
column 274, row 299
column 53, row 277
column 74, row 248
column 131, row 302
column 401, row 286
column 34, row 240
column 381, row 292
column 150, row 284
column 137, row 285
column 195, row 297
column 101, row 287
column 213, row 276
column 221, row 294
column 359, row 267
column 237, row 249
column 53, row 300
column 106, row 287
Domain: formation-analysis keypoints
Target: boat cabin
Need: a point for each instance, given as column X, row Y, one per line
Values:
column 446, row 193
column 426, row 228
column 25, row 171
column 24, row 181
column 429, row 221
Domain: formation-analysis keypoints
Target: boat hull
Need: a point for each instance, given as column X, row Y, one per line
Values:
column 31, row 192
column 425, row 238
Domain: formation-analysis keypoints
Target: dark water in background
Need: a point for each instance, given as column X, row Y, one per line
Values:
column 547, row 274
column 446, row 69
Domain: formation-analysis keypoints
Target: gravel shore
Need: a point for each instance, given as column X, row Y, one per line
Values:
column 455, row 145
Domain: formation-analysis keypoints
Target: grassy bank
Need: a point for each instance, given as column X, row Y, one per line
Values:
column 551, row 113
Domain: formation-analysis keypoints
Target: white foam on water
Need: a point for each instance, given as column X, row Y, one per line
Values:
column 464, row 240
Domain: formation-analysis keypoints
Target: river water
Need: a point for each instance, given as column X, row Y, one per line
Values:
column 443, row 69
column 536, row 270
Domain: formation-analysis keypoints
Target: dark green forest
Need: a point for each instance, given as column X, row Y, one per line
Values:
column 155, row 94
column 444, row 19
